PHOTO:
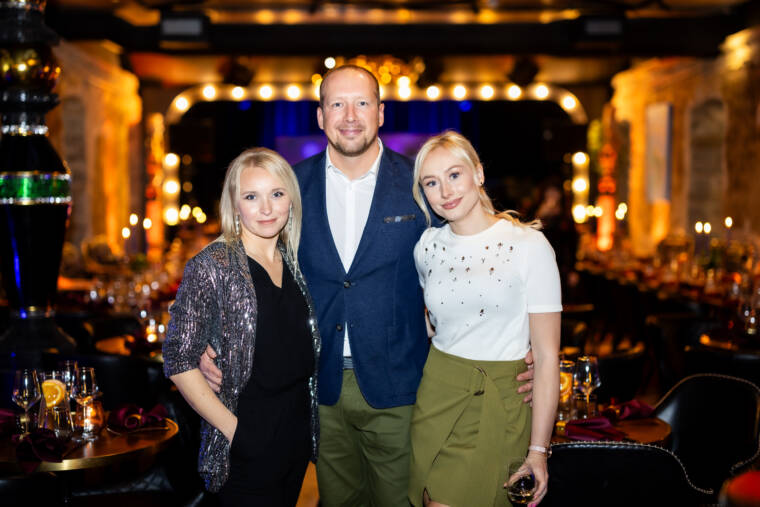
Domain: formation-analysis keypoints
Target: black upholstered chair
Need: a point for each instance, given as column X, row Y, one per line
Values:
column 619, row 474
column 34, row 489
column 621, row 373
column 715, row 421
column 737, row 363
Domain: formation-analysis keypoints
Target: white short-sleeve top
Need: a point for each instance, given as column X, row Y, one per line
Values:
column 479, row 289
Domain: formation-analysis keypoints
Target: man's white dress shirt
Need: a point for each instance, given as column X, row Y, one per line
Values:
column 348, row 204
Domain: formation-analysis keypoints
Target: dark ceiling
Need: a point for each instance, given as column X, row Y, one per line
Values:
column 420, row 27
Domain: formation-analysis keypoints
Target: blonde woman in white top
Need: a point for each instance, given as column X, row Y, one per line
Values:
column 492, row 293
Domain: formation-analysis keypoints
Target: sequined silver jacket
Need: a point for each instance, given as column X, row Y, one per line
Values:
column 216, row 305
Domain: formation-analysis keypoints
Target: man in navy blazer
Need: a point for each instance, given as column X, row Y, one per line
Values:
column 360, row 225
column 367, row 295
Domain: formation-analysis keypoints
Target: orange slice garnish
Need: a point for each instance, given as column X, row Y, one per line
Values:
column 54, row 391
column 565, row 383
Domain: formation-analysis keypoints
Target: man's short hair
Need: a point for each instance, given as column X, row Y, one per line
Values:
column 349, row 66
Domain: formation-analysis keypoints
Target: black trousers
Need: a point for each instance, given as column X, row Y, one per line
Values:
column 270, row 450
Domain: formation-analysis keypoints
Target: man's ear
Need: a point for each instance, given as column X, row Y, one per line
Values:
column 320, row 118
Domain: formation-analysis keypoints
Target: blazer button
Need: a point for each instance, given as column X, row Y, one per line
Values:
column 339, row 327
column 346, row 284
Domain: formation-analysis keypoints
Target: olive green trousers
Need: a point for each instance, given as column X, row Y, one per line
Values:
column 363, row 451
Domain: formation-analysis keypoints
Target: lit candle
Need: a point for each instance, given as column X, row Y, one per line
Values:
column 698, row 228
column 728, row 222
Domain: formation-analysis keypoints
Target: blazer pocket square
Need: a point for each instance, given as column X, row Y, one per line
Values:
column 398, row 218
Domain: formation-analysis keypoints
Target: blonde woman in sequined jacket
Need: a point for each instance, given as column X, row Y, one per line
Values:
column 244, row 296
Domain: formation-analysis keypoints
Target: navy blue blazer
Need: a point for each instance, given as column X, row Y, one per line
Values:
column 380, row 297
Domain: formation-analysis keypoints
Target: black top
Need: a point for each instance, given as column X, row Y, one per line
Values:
column 284, row 354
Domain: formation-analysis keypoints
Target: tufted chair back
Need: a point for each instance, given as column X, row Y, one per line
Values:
column 737, row 363
column 715, row 421
column 618, row 473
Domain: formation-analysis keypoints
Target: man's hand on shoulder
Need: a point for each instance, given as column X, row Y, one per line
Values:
column 527, row 377
column 211, row 373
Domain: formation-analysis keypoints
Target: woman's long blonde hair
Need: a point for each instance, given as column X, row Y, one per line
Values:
column 278, row 167
column 458, row 145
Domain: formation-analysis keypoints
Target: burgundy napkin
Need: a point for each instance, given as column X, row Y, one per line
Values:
column 130, row 417
column 633, row 409
column 39, row 445
column 7, row 422
column 594, row 428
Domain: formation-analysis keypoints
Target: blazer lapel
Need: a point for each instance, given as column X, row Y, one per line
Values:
column 315, row 199
column 381, row 201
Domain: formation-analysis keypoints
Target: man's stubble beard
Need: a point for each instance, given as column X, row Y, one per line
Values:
column 353, row 153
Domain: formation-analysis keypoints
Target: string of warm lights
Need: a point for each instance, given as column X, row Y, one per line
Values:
column 404, row 90
column 126, row 232
column 173, row 213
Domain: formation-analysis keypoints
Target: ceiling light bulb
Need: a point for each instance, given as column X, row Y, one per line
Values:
column 171, row 160
column 580, row 185
column 579, row 158
column 514, row 92
column 209, row 92
column 487, row 92
column 182, row 104
column 266, row 92
column 569, row 102
column 293, row 92
column 541, row 91
column 171, row 216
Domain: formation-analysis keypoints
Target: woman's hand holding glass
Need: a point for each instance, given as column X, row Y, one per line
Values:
column 527, row 479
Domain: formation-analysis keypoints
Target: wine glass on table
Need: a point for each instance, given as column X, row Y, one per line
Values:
column 521, row 482
column 89, row 413
column 586, row 377
column 26, row 392
column 69, row 369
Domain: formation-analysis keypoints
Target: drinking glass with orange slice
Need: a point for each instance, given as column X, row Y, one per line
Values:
column 566, row 369
column 55, row 413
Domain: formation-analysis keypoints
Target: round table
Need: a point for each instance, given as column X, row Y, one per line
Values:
column 648, row 430
column 108, row 449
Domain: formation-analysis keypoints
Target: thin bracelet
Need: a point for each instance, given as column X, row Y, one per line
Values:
column 543, row 450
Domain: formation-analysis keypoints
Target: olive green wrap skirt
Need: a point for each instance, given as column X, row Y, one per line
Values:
column 467, row 422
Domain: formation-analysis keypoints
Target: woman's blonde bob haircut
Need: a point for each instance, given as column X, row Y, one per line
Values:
column 458, row 146
column 274, row 164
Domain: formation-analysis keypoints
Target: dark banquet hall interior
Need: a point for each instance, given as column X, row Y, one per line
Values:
column 630, row 128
